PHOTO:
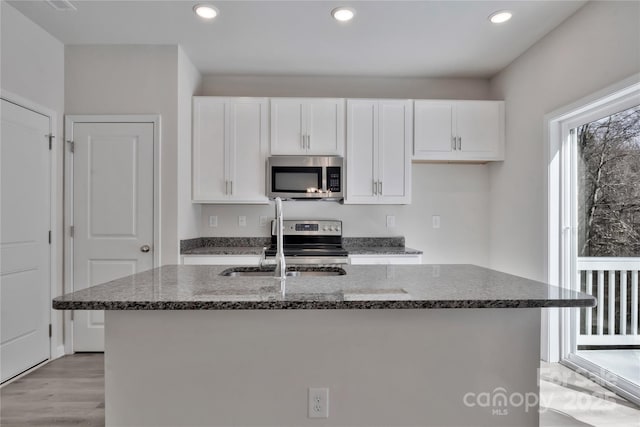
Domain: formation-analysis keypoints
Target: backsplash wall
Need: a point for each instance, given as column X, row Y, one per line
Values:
column 457, row 193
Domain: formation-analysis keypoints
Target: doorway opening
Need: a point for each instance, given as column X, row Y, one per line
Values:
column 598, row 240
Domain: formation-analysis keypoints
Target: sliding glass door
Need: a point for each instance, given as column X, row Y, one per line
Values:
column 601, row 244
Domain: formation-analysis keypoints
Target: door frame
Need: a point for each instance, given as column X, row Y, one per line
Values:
column 557, row 325
column 55, row 351
column 70, row 121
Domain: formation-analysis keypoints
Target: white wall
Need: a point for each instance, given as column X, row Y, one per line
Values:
column 32, row 67
column 130, row 79
column 595, row 48
column 189, row 81
column 458, row 193
column 346, row 87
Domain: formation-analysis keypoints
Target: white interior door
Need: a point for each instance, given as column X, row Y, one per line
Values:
column 24, row 239
column 112, row 212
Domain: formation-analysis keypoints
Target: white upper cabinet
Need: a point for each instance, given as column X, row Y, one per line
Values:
column 312, row 126
column 229, row 150
column 459, row 131
column 378, row 161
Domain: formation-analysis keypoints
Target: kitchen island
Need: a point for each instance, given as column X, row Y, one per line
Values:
column 395, row 345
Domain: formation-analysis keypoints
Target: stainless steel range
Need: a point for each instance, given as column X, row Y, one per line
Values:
column 310, row 242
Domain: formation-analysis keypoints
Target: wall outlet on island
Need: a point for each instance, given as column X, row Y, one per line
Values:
column 263, row 220
column 242, row 221
column 318, row 403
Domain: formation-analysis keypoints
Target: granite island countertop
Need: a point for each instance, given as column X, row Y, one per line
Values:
column 202, row 287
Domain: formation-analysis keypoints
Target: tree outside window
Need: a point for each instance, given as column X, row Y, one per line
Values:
column 609, row 186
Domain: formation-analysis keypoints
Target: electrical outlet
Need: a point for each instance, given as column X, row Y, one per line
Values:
column 242, row 221
column 318, row 403
column 263, row 221
column 435, row 272
column 435, row 221
column 391, row 221
column 213, row 221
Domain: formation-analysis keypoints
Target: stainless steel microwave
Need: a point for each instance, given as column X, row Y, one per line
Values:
column 305, row 177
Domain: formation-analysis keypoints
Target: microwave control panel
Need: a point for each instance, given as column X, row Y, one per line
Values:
column 333, row 179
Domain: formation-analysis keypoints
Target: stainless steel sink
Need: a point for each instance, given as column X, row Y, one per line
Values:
column 297, row 271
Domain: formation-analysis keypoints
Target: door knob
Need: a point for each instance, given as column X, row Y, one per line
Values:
column 145, row 248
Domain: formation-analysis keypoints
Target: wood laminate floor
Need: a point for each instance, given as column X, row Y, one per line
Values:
column 70, row 392
column 65, row 392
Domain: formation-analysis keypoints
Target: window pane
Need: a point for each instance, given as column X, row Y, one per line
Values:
column 609, row 186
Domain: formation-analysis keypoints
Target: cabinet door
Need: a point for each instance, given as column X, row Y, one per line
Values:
column 394, row 151
column 325, row 126
column 362, row 161
column 433, row 139
column 247, row 150
column 479, row 124
column 287, row 129
column 209, row 177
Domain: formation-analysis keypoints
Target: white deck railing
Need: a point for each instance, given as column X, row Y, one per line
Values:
column 616, row 315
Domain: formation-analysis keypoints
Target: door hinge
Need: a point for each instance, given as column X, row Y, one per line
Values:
column 72, row 146
column 50, row 136
column 50, row 330
column 49, row 236
column 71, row 231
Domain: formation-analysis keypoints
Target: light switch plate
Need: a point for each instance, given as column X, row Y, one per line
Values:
column 213, row 221
column 435, row 221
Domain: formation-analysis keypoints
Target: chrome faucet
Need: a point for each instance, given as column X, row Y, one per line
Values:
column 281, row 267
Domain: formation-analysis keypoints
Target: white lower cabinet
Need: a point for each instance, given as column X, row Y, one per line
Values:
column 458, row 131
column 252, row 260
column 385, row 259
column 378, row 163
column 229, row 150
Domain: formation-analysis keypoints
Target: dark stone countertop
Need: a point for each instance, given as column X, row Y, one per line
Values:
column 254, row 245
column 202, row 287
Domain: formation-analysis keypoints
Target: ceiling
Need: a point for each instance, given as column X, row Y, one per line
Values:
column 386, row 38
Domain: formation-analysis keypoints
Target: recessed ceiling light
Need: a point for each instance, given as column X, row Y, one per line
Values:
column 205, row 11
column 343, row 14
column 500, row 16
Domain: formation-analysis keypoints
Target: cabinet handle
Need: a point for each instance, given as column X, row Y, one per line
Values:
column 453, row 142
column 375, row 188
column 226, row 187
column 302, row 140
column 459, row 143
column 309, row 142
column 231, row 186
column 380, row 187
